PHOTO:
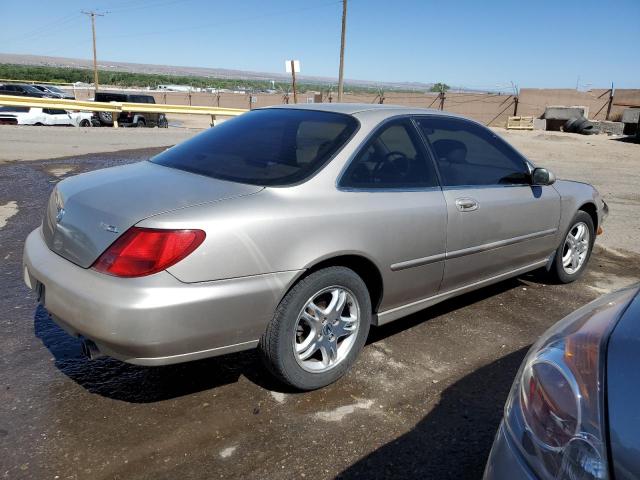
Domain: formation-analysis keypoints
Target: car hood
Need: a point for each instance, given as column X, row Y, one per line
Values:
column 88, row 212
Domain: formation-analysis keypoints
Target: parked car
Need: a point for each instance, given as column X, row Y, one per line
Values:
column 23, row 90
column 294, row 229
column 55, row 92
column 572, row 410
column 129, row 119
column 43, row 116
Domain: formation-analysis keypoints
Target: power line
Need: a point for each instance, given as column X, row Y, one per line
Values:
column 50, row 27
column 226, row 22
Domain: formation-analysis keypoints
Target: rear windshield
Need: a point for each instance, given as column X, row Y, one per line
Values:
column 110, row 97
column 270, row 147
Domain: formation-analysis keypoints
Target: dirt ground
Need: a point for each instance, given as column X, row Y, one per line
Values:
column 423, row 401
column 611, row 164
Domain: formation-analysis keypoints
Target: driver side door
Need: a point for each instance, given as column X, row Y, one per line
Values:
column 498, row 222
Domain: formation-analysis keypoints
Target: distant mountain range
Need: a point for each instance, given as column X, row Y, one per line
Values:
column 224, row 73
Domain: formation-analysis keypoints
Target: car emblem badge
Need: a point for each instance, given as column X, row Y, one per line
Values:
column 60, row 213
column 109, row 228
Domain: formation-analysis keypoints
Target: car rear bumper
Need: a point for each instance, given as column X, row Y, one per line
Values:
column 505, row 462
column 153, row 320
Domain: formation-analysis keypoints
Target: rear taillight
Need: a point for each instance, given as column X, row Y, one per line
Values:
column 143, row 251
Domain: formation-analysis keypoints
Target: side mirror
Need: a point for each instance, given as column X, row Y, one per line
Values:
column 542, row 176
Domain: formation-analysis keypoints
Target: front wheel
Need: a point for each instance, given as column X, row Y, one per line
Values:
column 318, row 329
column 573, row 254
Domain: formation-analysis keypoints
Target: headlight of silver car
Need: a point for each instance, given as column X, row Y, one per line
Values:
column 555, row 413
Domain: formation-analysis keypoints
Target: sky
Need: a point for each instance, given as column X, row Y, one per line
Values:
column 470, row 44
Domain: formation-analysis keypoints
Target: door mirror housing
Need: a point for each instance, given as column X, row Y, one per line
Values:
column 542, row 176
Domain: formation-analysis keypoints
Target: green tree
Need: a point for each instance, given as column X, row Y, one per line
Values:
column 440, row 87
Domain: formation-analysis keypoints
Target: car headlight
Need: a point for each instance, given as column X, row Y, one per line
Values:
column 555, row 414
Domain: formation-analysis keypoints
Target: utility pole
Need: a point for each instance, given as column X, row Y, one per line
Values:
column 293, row 81
column 610, row 102
column 93, row 14
column 342, row 41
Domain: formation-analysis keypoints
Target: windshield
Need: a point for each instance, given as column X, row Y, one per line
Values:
column 270, row 147
column 31, row 88
column 55, row 89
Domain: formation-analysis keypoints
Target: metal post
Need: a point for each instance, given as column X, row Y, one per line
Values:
column 342, row 42
column 293, row 82
column 610, row 102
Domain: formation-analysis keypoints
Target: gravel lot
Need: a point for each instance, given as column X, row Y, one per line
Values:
column 423, row 401
column 33, row 143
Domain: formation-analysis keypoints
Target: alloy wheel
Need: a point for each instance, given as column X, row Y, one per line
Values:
column 326, row 329
column 576, row 248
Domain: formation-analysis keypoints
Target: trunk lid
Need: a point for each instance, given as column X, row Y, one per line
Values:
column 88, row 212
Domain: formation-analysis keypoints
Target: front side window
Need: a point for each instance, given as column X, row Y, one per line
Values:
column 469, row 154
column 270, row 147
column 393, row 158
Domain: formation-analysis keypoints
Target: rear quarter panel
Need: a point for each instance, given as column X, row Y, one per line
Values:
column 285, row 229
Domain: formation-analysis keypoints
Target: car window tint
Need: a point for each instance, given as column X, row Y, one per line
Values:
column 14, row 109
column 268, row 147
column 469, row 154
column 393, row 158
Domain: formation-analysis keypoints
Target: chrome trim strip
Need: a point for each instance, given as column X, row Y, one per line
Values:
column 404, row 310
column 390, row 189
column 500, row 243
column 417, row 262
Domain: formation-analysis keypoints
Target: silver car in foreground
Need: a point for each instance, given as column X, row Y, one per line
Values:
column 294, row 229
column 572, row 412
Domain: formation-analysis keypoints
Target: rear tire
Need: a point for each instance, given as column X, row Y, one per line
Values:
column 106, row 118
column 85, row 123
column 140, row 124
column 573, row 254
column 318, row 329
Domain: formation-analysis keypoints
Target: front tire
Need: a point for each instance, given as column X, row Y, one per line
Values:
column 573, row 254
column 319, row 328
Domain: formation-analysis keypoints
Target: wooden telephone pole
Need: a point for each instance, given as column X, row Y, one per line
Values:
column 342, row 41
column 293, row 81
column 93, row 16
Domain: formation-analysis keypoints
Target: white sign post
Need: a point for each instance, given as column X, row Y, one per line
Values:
column 293, row 67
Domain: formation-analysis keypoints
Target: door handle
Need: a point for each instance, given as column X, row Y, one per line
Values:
column 467, row 204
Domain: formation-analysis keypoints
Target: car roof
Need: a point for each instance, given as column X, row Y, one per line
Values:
column 364, row 108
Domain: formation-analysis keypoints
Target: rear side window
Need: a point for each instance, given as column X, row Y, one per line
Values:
column 469, row 154
column 110, row 97
column 393, row 158
column 270, row 147
column 14, row 109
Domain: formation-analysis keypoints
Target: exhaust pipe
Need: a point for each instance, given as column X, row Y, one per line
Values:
column 90, row 350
